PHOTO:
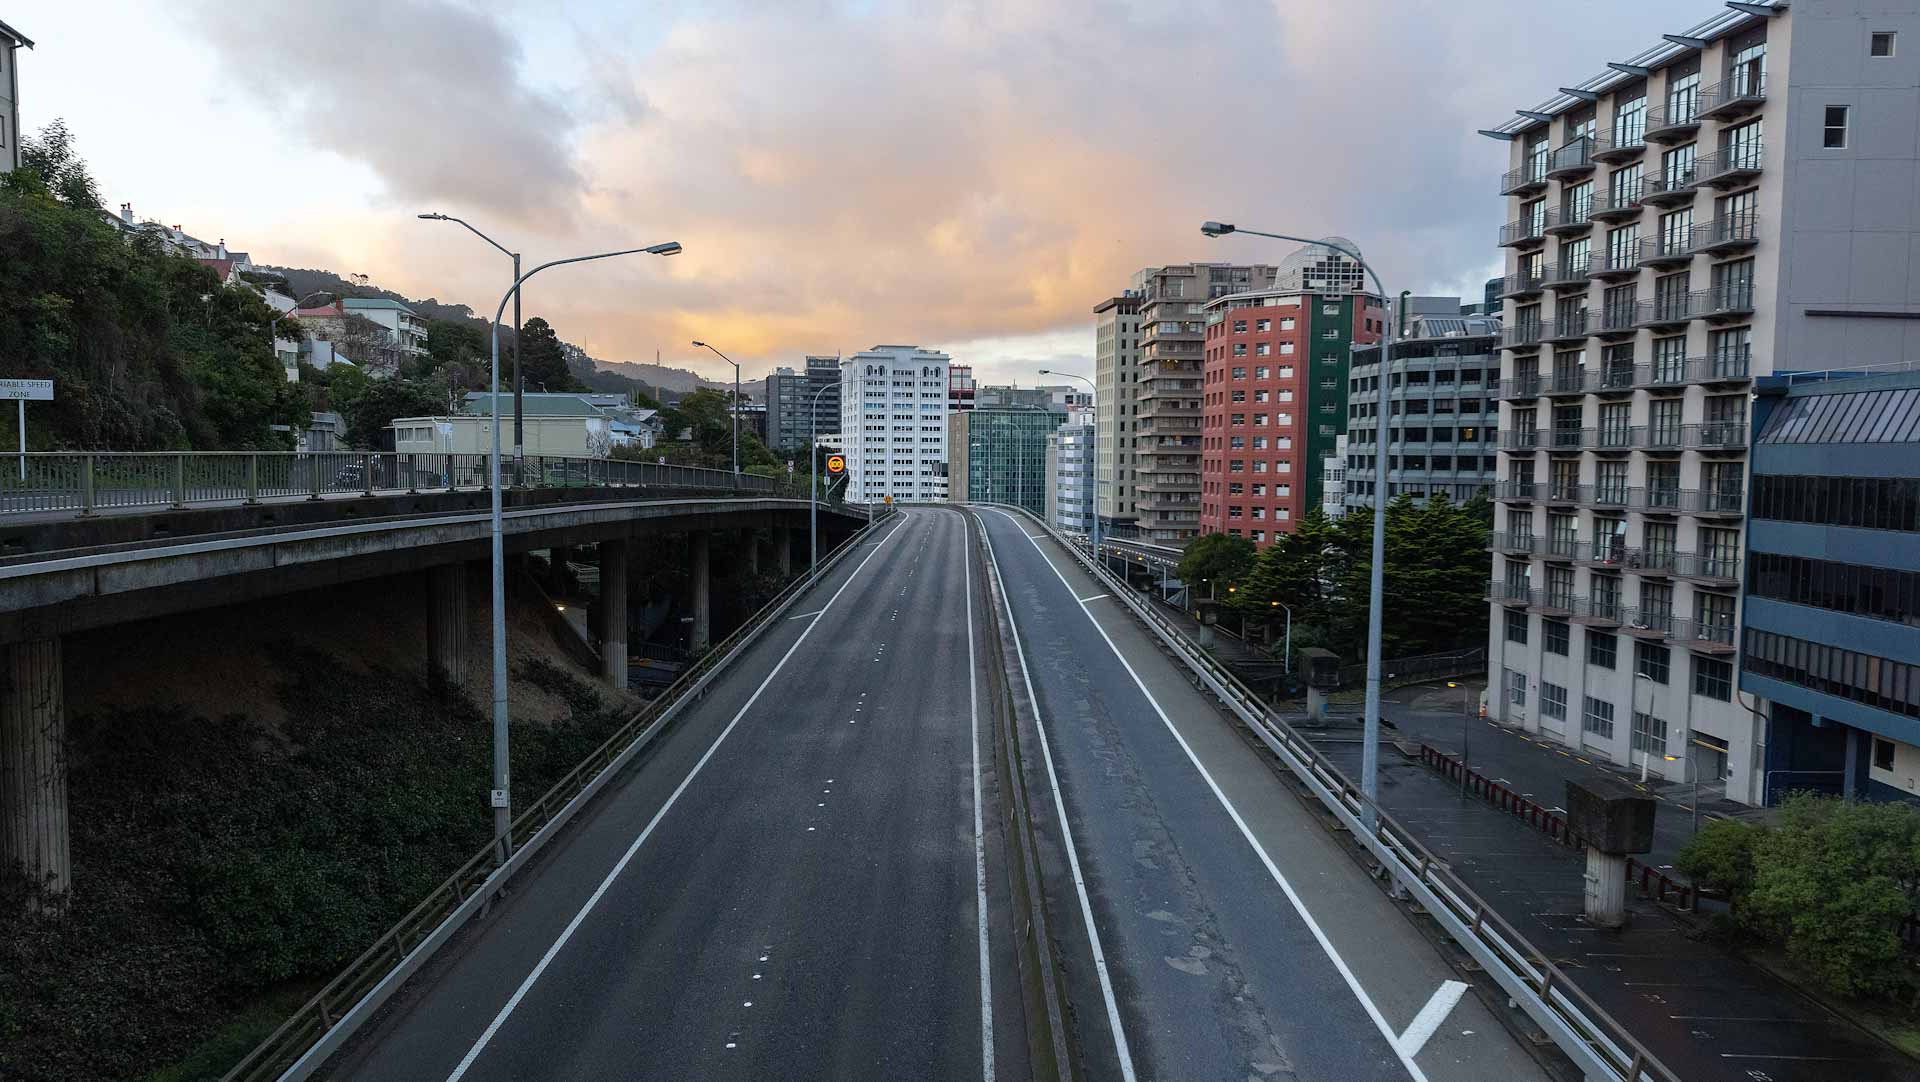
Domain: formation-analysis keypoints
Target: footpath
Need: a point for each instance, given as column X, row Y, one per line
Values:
column 1706, row 1013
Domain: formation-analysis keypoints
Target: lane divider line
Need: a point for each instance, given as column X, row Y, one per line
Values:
column 573, row 925
column 1066, row 829
column 979, row 822
column 1427, row 1022
column 1286, row 887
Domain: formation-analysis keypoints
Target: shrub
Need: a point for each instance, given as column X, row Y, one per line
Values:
column 1720, row 857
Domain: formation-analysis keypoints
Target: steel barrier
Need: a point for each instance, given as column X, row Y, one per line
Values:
column 1596, row 1043
column 323, row 1024
column 87, row 483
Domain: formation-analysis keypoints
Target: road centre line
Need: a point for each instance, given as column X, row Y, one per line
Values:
column 1326, row 945
column 573, row 925
column 979, row 823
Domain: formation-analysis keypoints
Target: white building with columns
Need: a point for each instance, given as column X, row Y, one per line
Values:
column 893, row 419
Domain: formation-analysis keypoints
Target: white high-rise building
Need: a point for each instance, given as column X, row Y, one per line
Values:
column 1070, row 473
column 893, row 417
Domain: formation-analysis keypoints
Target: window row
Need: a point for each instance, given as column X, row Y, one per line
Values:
column 1893, row 686
column 1873, row 503
column 1881, row 593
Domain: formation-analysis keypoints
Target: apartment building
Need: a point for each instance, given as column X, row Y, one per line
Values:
column 1070, row 473
column 1442, row 406
column 1273, row 390
column 803, row 405
column 1832, row 599
column 893, row 421
column 1063, row 397
column 1333, row 480
column 999, row 455
column 960, row 388
column 11, row 42
column 1735, row 200
column 1116, row 380
column 1166, row 445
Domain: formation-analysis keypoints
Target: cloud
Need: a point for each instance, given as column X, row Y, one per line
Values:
column 426, row 94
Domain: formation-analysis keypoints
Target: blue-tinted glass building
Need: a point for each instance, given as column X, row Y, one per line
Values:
column 1832, row 602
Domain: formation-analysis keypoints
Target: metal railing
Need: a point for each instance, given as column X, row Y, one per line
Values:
column 1735, row 230
column 1672, row 308
column 320, row 1026
column 1733, row 161
column 1672, row 119
column 1579, row 1027
column 1656, row 621
column 1571, row 159
column 1523, row 231
column 1619, row 200
column 1519, row 491
column 1567, row 274
column 1507, row 592
column 87, row 483
column 1502, row 541
column 1622, row 260
column 1722, row 300
column 1521, row 335
column 1517, row 285
column 1693, row 565
column 1743, row 90
column 1531, row 175
column 1709, row 632
column 1618, row 145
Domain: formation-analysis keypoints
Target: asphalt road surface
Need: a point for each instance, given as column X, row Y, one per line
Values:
column 796, row 884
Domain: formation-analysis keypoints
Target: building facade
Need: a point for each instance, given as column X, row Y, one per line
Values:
column 999, row 455
column 1734, row 201
column 960, row 388
column 1274, row 391
column 1166, row 448
column 1333, row 480
column 1441, row 410
column 1832, row 600
column 801, row 404
column 1070, row 454
column 11, row 42
column 406, row 329
column 1045, row 397
column 893, row 409
column 1116, row 380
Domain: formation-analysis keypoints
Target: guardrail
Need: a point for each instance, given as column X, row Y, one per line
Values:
column 324, row 1023
column 1654, row 883
column 105, row 480
column 1591, row 1038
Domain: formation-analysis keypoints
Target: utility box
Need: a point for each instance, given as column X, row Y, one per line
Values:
column 1323, row 675
column 1615, row 819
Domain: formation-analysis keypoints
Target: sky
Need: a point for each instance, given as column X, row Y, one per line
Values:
column 972, row 175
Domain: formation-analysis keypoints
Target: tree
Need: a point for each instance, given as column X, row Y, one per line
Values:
column 543, row 364
column 375, row 408
column 1216, row 557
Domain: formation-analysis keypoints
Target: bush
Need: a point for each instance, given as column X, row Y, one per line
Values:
column 1720, row 857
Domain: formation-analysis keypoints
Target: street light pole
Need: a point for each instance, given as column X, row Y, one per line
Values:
column 1093, row 450
column 1466, row 720
column 1288, row 660
column 502, row 779
column 736, row 408
column 813, row 473
column 519, row 441
column 1370, row 748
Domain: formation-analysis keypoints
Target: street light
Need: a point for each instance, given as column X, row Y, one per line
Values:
column 1466, row 719
column 1093, row 449
column 502, row 803
column 1288, row 660
column 736, row 408
column 1370, row 748
column 1693, row 769
column 813, row 472
column 519, row 441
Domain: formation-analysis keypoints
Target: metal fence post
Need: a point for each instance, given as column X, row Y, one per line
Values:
column 451, row 484
column 413, row 475
column 86, row 487
column 180, row 479
column 253, row 478
column 313, row 476
column 366, row 473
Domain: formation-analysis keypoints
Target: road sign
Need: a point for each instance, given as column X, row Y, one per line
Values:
column 27, row 390
column 889, row 499
column 836, row 463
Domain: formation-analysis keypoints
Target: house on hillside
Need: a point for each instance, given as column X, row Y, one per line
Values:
column 405, row 327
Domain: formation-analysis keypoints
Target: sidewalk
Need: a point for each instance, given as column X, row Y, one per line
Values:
column 1705, row 1013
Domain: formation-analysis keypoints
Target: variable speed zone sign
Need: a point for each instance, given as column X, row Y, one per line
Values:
column 836, row 464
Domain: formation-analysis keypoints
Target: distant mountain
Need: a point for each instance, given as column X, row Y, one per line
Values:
column 679, row 380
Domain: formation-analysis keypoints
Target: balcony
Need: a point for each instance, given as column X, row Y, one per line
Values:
column 1665, row 374
column 1657, row 563
column 1566, row 381
column 1668, row 311
column 1553, row 602
column 1656, row 500
column 1613, row 320
column 1614, row 378
column 1522, row 335
column 1563, row 441
column 1610, row 439
column 1727, row 233
column 1573, row 159
column 1563, row 492
column 1507, row 593
column 1715, row 436
column 1520, row 387
column 1567, row 326
column 1599, row 610
column 1623, row 263
column 1714, row 503
column 1722, row 302
column 1744, row 92
column 1524, row 439
column 1607, row 496
column 1649, row 623
column 1617, row 204
column 1526, row 180
column 1673, row 122
column 1608, row 553
column 1568, row 220
column 1617, row 147
column 1667, row 439
column 1722, row 570
column 1520, row 544
column 1667, row 250
column 1710, row 636
column 1526, row 283
column 1734, row 165
column 1671, row 189
column 1523, row 233
column 1565, row 547
column 1517, row 491
column 1568, row 274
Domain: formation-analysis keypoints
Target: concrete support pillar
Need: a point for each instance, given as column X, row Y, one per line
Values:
column 783, row 547
column 447, row 623
column 613, row 612
column 1606, row 888
column 753, row 552
column 701, row 635
column 557, row 558
column 33, row 764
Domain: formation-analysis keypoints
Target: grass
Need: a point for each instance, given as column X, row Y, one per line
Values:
column 217, row 1053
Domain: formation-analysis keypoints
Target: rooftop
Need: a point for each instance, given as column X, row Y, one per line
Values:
column 15, row 35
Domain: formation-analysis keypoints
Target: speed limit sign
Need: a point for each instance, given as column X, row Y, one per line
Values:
column 836, row 463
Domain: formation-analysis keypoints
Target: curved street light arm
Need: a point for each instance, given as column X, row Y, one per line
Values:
column 450, row 218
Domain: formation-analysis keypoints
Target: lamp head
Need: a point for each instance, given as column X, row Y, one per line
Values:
column 697, row 344
column 432, row 216
column 1215, row 229
column 671, row 247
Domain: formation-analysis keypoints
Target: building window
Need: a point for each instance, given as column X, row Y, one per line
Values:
column 1882, row 754
column 1516, row 627
column 1556, row 635
column 1651, row 661
column 1834, row 136
column 1712, row 678
column 1553, row 701
column 1649, row 734
column 1602, row 649
column 1881, row 45
column 1598, row 718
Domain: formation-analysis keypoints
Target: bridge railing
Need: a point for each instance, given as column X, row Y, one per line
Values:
column 88, row 483
column 1600, row 1046
column 324, row 1023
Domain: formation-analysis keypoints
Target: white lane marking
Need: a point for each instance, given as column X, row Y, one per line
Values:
column 594, row 899
column 1339, row 963
column 1428, row 1020
column 804, row 615
column 1096, row 597
column 1066, row 829
column 979, row 822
